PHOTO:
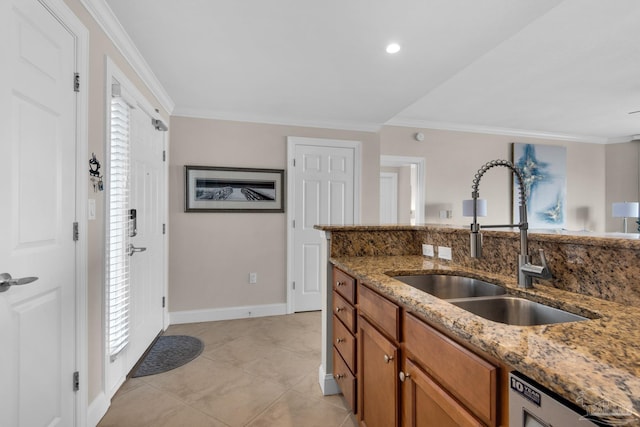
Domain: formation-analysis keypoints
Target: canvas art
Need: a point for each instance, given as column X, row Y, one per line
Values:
column 544, row 169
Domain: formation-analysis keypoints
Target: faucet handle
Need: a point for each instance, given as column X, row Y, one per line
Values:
column 540, row 271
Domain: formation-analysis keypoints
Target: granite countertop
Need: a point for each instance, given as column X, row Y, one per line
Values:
column 594, row 362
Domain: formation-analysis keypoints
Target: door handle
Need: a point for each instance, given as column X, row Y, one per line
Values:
column 133, row 249
column 6, row 281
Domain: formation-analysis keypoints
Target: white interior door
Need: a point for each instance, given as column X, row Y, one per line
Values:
column 388, row 198
column 324, row 180
column 38, row 184
column 147, row 198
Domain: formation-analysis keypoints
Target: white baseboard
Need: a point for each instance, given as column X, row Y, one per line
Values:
column 328, row 384
column 227, row 313
column 97, row 409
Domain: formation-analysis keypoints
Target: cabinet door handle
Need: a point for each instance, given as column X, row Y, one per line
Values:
column 403, row 376
column 339, row 340
column 387, row 358
column 339, row 309
column 339, row 376
column 339, row 283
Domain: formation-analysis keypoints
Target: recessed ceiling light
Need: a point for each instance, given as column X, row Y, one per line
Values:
column 393, row 48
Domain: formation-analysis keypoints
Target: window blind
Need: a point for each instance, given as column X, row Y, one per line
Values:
column 118, row 228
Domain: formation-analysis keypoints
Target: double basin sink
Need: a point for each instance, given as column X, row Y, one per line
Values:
column 488, row 300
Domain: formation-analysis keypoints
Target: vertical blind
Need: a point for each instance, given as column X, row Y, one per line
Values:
column 118, row 224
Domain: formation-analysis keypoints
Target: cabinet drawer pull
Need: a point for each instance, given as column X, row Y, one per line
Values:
column 403, row 376
column 339, row 340
column 339, row 376
column 387, row 358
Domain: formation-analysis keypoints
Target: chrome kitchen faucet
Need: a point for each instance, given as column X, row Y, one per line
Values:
column 526, row 270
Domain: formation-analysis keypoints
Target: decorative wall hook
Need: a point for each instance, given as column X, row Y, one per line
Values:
column 94, row 173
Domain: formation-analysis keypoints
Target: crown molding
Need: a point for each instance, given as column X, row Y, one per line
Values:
column 272, row 120
column 426, row 124
column 104, row 16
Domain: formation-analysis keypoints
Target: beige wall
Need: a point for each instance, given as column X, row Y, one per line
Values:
column 211, row 254
column 452, row 159
column 623, row 180
column 99, row 47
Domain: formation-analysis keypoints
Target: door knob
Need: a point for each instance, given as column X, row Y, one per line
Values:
column 6, row 281
column 403, row 376
column 133, row 249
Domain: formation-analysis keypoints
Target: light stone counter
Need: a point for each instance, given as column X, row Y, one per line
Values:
column 593, row 362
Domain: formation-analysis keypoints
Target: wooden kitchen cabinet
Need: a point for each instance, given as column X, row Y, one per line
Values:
column 344, row 338
column 452, row 373
column 426, row 404
column 377, row 377
column 378, row 359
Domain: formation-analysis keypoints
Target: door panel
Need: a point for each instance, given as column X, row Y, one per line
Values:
column 323, row 193
column 37, row 180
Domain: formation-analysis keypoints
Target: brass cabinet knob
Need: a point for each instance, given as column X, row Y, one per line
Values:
column 338, row 376
column 339, row 340
column 403, row 376
column 387, row 358
column 339, row 283
column 339, row 309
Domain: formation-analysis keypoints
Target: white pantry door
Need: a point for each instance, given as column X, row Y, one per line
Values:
column 37, row 184
column 147, row 268
column 324, row 183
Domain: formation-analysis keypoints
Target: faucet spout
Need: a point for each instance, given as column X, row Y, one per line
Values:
column 526, row 270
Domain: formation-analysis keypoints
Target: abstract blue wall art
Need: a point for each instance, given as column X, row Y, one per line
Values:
column 544, row 169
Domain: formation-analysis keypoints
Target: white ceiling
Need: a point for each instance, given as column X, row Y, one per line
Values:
column 547, row 67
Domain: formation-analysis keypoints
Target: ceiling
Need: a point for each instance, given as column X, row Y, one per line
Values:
column 546, row 67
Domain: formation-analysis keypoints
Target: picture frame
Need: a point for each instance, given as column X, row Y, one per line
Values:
column 227, row 189
column 544, row 169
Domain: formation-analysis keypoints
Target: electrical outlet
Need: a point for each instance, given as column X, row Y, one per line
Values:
column 427, row 250
column 444, row 252
column 253, row 278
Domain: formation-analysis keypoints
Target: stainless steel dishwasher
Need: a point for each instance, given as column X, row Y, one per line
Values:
column 531, row 405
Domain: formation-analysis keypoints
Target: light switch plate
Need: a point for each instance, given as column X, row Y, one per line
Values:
column 427, row 250
column 444, row 252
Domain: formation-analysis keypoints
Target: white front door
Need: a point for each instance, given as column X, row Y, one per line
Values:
column 38, row 184
column 323, row 192
column 147, row 198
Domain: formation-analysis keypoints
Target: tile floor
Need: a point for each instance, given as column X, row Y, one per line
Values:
column 252, row 372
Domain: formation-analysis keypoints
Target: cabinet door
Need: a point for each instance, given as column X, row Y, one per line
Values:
column 377, row 377
column 426, row 404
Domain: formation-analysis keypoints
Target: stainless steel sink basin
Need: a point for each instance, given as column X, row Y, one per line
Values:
column 451, row 287
column 516, row 311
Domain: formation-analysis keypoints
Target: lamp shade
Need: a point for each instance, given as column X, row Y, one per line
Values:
column 625, row 209
column 467, row 207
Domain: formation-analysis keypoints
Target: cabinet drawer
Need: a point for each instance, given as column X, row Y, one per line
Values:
column 345, row 379
column 468, row 377
column 345, row 343
column 345, row 311
column 380, row 311
column 345, row 285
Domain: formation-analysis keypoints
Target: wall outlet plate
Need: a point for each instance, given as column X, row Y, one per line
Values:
column 444, row 252
column 253, row 278
column 427, row 250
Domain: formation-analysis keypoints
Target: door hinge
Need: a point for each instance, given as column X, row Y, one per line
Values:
column 163, row 302
column 293, row 224
column 76, row 381
column 164, row 155
column 294, row 163
column 294, row 286
column 76, row 233
column 76, row 82
column 164, row 228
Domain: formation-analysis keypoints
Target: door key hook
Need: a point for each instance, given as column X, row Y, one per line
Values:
column 133, row 249
column 6, row 281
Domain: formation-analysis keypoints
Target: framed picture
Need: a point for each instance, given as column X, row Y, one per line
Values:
column 222, row 189
column 545, row 174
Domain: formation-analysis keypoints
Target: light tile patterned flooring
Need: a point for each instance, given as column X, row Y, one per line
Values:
column 252, row 372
